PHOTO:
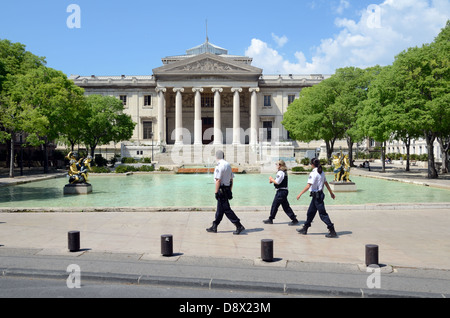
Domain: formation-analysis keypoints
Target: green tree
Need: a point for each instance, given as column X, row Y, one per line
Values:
column 374, row 118
column 15, row 61
column 314, row 115
column 105, row 122
column 426, row 72
column 441, row 75
column 48, row 97
column 329, row 110
column 352, row 91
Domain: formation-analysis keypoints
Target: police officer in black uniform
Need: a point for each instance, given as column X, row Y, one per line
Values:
column 281, row 186
column 223, row 176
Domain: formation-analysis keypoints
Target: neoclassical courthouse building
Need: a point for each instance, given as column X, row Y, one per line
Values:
column 205, row 97
column 209, row 99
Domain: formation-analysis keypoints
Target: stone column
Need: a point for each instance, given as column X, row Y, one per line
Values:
column 254, row 116
column 198, row 116
column 178, row 116
column 161, row 99
column 236, row 116
column 218, row 139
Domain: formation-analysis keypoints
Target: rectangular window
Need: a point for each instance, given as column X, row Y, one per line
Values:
column 291, row 98
column 267, row 125
column 147, row 127
column 123, row 98
column 267, row 99
column 207, row 100
column 147, row 100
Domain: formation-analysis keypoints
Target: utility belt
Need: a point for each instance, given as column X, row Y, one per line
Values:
column 316, row 194
column 225, row 192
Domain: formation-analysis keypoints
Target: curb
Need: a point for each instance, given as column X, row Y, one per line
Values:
column 221, row 284
column 362, row 207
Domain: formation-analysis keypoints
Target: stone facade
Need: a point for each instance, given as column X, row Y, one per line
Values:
column 204, row 97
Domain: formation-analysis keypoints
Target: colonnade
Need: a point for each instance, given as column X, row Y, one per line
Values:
column 218, row 140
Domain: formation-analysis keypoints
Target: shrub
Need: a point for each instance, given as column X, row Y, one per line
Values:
column 100, row 170
column 146, row 168
column 305, row 161
column 125, row 169
column 100, row 161
column 128, row 160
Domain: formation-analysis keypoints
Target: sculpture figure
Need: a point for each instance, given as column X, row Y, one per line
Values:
column 341, row 169
column 78, row 168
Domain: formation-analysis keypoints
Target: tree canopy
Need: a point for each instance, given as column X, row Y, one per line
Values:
column 408, row 99
column 44, row 105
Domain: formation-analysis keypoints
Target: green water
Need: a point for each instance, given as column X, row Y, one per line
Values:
column 167, row 190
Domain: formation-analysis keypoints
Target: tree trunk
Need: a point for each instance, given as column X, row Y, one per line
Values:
column 408, row 153
column 44, row 146
column 407, row 142
column 445, row 147
column 330, row 147
column 383, row 156
column 432, row 172
column 11, row 158
column 350, row 150
column 92, row 151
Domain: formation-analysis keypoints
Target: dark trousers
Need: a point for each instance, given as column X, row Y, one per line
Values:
column 223, row 207
column 317, row 204
column 281, row 199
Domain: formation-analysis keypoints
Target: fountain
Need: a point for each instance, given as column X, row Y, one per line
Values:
column 78, row 175
column 168, row 190
column 342, row 182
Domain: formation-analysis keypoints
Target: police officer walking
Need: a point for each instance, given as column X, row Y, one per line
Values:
column 223, row 176
column 281, row 185
column 315, row 184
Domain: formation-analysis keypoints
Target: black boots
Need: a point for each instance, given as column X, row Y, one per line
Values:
column 270, row 221
column 213, row 228
column 332, row 233
column 239, row 228
column 303, row 230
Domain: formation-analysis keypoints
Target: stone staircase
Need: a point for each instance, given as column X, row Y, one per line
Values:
column 259, row 158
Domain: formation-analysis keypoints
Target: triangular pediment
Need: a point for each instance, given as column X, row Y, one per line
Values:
column 207, row 64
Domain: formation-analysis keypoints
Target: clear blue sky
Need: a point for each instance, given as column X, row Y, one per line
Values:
column 300, row 36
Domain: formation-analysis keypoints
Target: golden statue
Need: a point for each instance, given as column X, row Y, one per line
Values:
column 341, row 169
column 78, row 168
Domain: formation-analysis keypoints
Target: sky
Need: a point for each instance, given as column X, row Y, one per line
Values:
column 98, row 37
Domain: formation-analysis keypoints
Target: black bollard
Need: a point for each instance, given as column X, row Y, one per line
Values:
column 267, row 250
column 167, row 245
column 371, row 254
column 74, row 241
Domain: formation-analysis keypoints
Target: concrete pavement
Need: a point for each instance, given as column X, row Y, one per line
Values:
column 406, row 238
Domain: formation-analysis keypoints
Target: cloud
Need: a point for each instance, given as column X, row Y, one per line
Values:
column 376, row 37
column 280, row 41
column 343, row 4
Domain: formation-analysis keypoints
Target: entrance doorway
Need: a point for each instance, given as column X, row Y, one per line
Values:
column 206, row 124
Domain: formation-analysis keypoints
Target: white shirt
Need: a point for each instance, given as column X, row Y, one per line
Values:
column 316, row 180
column 223, row 172
column 279, row 178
